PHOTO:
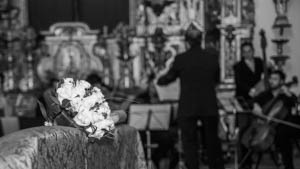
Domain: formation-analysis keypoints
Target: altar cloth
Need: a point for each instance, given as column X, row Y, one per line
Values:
column 66, row 147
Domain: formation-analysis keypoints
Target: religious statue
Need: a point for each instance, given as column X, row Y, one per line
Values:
column 68, row 60
column 100, row 50
column 159, row 55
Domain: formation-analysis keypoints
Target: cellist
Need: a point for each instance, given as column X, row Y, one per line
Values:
column 284, row 133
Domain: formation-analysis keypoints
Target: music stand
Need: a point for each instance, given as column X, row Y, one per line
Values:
column 232, row 106
column 149, row 117
column 169, row 92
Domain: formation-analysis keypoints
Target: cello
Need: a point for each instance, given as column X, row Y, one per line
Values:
column 261, row 133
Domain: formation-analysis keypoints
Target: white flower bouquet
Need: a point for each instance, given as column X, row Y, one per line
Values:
column 78, row 104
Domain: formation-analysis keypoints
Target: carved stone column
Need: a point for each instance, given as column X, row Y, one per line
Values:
column 236, row 26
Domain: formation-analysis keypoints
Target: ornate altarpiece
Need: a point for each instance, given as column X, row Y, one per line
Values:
column 125, row 59
column 133, row 61
column 172, row 15
column 159, row 26
column 70, row 46
column 234, row 18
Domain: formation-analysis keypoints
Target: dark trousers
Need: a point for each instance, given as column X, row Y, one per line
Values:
column 284, row 140
column 165, row 141
column 188, row 126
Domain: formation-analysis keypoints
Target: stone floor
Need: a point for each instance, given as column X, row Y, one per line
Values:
column 266, row 163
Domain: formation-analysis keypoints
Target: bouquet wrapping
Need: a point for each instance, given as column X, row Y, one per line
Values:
column 77, row 104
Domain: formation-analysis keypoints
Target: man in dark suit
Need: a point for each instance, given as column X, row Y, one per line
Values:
column 198, row 71
column 248, row 73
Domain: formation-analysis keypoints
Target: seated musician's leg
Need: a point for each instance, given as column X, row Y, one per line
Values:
column 284, row 141
column 245, row 156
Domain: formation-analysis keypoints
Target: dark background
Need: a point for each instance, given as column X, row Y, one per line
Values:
column 96, row 13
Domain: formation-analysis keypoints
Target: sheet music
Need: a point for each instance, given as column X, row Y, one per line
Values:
column 160, row 119
column 228, row 102
column 169, row 92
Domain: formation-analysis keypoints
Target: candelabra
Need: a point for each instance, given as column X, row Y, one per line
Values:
column 280, row 58
column 281, row 22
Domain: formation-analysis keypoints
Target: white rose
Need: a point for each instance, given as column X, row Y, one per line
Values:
column 68, row 81
column 104, row 109
column 78, row 92
column 83, row 118
column 84, row 84
column 98, row 117
column 64, row 93
column 76, row 103
column 98, row 92
column 89, row 101
column 104, row 124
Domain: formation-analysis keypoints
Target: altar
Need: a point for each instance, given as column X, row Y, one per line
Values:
column 70, row 47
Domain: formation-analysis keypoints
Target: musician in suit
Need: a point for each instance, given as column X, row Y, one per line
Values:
column 198, row 71
column 247, row 73
column 285, row 135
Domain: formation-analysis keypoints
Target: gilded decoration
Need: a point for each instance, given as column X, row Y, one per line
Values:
column 212, row 14
column 142, row 57
column 159, row 26
column 172, row 15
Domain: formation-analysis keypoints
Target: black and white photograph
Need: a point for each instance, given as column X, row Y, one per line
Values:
column 149, row 84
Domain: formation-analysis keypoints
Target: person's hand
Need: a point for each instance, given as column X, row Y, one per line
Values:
column 158, row 75
column 252, row 92
column 269, row 118
column 285, row 91
column 118, row 116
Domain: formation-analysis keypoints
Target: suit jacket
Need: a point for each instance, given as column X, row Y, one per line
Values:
column 198, row 71
column 245, row 79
